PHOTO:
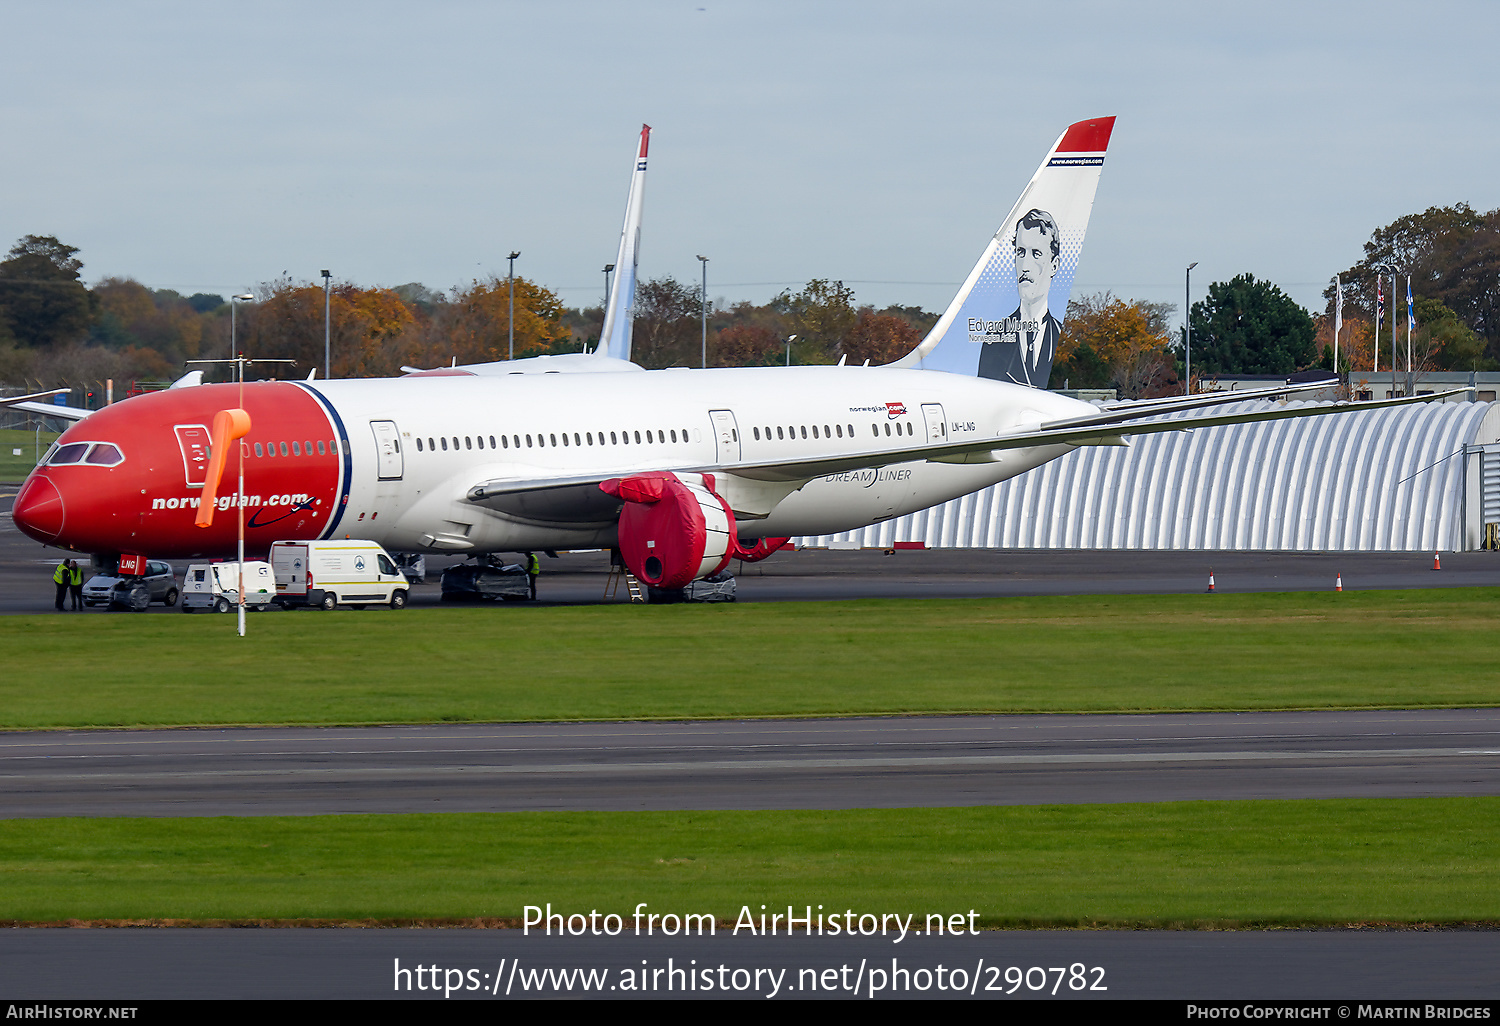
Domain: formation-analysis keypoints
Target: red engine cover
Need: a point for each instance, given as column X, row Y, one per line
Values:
column 672, row 532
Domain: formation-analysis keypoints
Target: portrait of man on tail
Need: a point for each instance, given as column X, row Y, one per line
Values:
column 1022, row 351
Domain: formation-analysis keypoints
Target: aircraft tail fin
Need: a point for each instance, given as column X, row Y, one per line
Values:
column 619, row 311
column 1005, row 320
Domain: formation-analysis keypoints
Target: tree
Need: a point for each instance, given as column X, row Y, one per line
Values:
column 745, row 345
column 474, row 326
column 822, row 315
column 1451, row 253
column 879, row 338
column 42, row 300
column 1107, row 342
column 1247, row 326
column 667, row 326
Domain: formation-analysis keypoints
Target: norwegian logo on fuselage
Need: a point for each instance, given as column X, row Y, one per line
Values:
column 894, row 410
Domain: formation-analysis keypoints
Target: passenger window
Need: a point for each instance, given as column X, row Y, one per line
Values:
column 504, row 442
column 324, row 452
column 419, row 445
column 826, row 432
column 528, row 441
column 589, row 436
column 576, row 439
column 431, row 445
column 480, row 440
column 637, row 438
column 445, row 444
column 296, row 449
column 283, row 449
column 468, row 443
column 612, row 439
column 258, row 450
column 840, row 429
column 804, row 430
column 565, row 438
column 888, row 429
column 875, row 430
column 492, row 441
column 516, row 441
column 756, row 432
column 553, row 440
column 735, row 433
column 815, row 431
column 851, row 430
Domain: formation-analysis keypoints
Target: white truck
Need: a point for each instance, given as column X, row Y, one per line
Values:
column 325, row 574
column 215, row 586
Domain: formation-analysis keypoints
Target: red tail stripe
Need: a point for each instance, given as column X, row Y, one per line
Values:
column 1087, row 136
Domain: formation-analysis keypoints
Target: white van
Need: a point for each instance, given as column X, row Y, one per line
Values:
column 332, row 573
column 216, row 586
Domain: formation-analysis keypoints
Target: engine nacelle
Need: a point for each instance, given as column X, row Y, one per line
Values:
column 674, row 529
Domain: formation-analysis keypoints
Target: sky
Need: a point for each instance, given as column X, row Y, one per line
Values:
column 213, row 147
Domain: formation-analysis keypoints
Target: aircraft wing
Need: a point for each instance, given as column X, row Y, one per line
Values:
column 785, row 476
column 32, row 404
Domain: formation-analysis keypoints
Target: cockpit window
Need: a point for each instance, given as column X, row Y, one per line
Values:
column 104, row 455
column 65, row 454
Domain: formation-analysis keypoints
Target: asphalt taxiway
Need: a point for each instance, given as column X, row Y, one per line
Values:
column 767, row 764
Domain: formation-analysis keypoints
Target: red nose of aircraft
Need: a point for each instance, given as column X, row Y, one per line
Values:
column 128, row 478
column 38, row 511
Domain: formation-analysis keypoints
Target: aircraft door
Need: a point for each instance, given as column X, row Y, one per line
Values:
column 726, row 436
column 937, row 424
column 193, row 440
column 387, row 449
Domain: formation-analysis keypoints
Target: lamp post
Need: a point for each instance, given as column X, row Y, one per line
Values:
column 789, row 340
column 704, row 307
column 1187, row 329
column 327, row 332
column 607, row 268
column 239, row 495
column 511, row 305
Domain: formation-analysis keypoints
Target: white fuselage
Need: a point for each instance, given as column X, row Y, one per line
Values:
column 457, row 432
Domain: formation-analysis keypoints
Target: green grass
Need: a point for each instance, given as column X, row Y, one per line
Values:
column 15, row 468
column 1392, row 649
column 1203, row 864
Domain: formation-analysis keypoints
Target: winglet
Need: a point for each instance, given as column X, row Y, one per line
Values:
column 229, row 426
column 619, row 313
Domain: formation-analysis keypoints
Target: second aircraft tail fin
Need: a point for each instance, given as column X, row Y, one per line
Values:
column 1005, row 320
column 619, row 311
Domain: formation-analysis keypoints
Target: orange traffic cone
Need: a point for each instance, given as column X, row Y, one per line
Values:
column 1210, row 579
column 1338, row 583
column 1436, row 565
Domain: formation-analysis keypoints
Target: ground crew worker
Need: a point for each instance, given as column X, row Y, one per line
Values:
column 62, row 577
column 75, row 583
column 533, row 570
